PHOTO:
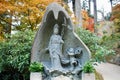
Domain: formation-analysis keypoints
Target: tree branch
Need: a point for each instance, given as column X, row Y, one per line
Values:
column 6, row 21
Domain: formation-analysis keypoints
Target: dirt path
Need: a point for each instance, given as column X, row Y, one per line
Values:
column 109, row 71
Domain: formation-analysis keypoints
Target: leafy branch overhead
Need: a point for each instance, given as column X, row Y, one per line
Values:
column 28, row 12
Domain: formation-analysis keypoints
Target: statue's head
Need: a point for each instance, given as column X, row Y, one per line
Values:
column 56, row 29
column 71, row 50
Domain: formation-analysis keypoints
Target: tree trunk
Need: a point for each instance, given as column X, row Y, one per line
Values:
column 78, row 13
column 89, row 2
column 111, row 4
column 95, row 16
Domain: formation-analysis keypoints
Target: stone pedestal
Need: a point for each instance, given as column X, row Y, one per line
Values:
column 61, row 77
column 35, row 76
column 88, row 76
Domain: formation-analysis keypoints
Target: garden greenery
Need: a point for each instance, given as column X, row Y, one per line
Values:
column 36, row 67
column 15, row 56
column 98, row 51
column 15, row 53
column 88, row 67
column 113, row 39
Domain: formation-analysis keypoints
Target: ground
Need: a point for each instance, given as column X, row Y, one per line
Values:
column 109, row 71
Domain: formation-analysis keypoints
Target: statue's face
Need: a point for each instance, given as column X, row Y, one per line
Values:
column 55, row 30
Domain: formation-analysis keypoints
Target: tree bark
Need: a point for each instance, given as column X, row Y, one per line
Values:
column 78, row 13
column 95, row 16
column 111, row 4
column 89, row 2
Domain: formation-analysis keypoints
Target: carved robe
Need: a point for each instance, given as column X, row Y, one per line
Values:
column 55, row 50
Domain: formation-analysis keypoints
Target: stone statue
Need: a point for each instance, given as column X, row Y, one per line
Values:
column 58, row 48
column 55, row 49
column 74, row 61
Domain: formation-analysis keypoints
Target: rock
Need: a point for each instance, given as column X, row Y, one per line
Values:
column 57, row 47
column 88, row 76
column 35, row 76
column 61, row 77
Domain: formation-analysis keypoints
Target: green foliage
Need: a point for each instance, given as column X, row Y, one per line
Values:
column 116, row 17
column 36, row 67
column 87, row 37
column 111, row 40
column 99, row 52
column 117, row 25
column 15, row 55
column 88, row 67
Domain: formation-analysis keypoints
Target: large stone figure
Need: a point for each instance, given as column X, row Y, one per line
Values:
column 57, row 47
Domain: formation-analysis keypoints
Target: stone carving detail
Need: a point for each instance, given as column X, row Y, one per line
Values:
column 57, row 47
column 74, row 63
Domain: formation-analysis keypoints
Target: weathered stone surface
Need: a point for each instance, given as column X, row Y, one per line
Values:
column 35, row 76
column 88, row 76
column 61, row 77
column 59, row 48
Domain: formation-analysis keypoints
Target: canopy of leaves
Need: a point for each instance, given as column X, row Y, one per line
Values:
column 28, row 12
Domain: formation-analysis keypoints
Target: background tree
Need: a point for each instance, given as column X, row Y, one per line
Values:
column 95, row 15
column 85, row 5
column 116, row 17
column 111, row 3
column 89, row 2
column 77, row 11
column 78, row 15
column 115, row 2
column 28, row 12
column 102, row 13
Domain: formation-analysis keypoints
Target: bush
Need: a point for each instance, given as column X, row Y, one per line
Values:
column 111, row 40
column 99, row 52
column 88, row 67
column 15, row 56
column 36, row 67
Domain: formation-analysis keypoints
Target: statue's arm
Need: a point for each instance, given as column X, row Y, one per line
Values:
column 62, row 41
column 46, row 49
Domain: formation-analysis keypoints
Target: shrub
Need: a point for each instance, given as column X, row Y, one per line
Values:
column 99, row 52
column 111, row 40
column 15, row 56
column 88, row 67
column 36, row 67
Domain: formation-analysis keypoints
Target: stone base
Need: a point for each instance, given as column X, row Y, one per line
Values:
column 35, row 76
column 61, row 77
column 64, row 77
column 88, row 76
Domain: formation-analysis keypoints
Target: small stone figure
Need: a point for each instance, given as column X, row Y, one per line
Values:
column 55, row 49
column 74, row 63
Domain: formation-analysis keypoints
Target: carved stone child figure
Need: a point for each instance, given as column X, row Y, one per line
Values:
column 74, row 63
column 55, row 49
